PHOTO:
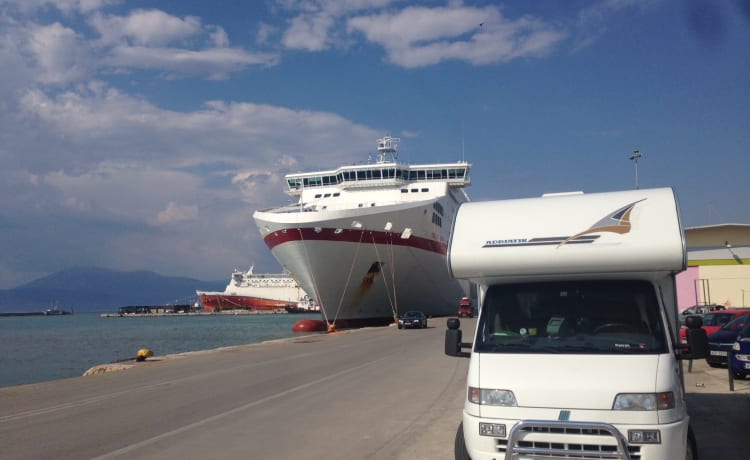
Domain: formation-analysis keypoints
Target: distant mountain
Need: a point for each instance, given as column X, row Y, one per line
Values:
column 100, row 289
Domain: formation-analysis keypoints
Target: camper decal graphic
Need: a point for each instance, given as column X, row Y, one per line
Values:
column 616, row 222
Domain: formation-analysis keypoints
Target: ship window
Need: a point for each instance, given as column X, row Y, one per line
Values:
column 412, row 175
column 376, row 174
column 339, row 178
column 359, row 205
column 421, row 174
column 337, row 194
column 404, row 190
column 324, row 207
column 425, row 190
column 326, row 195
column 361, row 175
column 318, row 195
column 372, row 204
column 414, row 190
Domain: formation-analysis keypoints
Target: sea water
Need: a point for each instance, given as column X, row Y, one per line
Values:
column 40, row 348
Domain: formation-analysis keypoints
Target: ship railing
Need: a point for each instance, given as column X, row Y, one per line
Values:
column 327, row 206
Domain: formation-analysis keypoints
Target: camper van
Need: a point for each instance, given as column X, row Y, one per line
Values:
column 576, row 352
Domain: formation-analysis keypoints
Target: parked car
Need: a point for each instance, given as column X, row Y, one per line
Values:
column 741, row 356
column 722, row 341
column 412, row 319
column 465, row 308
column 712, row 322
column 699, row 310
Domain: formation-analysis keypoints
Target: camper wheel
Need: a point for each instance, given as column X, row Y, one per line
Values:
column 459, row 447
column 691, row 453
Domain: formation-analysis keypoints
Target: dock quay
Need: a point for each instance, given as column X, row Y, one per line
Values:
column 375, row 393
column 154, row 313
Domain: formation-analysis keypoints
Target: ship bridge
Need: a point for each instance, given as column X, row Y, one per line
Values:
column 385, row 172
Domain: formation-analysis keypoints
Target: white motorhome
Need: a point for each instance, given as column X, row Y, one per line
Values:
column 576, row 352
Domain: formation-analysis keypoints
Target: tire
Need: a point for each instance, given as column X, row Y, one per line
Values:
column 714, row 365
column 400, row 326
column 459, row 446
column 740, row 375
column 691, row 453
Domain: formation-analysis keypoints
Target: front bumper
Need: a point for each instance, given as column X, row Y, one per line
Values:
column 580, row 440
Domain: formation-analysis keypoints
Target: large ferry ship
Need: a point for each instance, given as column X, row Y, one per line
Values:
column 369, row 241
column 251, row 291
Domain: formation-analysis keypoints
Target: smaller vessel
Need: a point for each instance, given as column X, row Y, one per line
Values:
column 54, row 310
column 251, row 291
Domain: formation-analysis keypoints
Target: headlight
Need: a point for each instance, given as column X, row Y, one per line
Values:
column 644, row 437
column 736, row 346
column 644, row 401
column 492, row 397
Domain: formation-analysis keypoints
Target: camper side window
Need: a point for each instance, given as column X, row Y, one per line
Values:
column 612, row 316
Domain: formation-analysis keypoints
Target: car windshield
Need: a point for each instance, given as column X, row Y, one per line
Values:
column 736, row 324
column 412, row 314
column 596, row 317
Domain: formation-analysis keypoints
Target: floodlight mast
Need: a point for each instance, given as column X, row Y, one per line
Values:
column 636, row 154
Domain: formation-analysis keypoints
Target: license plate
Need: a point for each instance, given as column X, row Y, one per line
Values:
column 718, row 353
column 747, row 365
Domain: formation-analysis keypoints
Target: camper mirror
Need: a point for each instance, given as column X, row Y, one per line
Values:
column 453, row 342
column 696, row 339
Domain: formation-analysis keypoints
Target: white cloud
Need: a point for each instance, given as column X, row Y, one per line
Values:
column 65, row 6
column 145, row 27
column 176, row 213
column 417, row 37
column 219, row 37
column 216, row 62
column 309, row 32
column 61, row 55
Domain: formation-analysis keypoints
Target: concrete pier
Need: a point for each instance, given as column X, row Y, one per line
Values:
column 379, row 393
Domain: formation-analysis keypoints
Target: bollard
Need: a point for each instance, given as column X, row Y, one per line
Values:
column 731, row 371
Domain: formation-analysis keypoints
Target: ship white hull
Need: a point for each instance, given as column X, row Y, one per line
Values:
column 359, row 272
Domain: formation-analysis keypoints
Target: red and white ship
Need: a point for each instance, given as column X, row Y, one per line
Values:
column 369, row 241
column 250, row 291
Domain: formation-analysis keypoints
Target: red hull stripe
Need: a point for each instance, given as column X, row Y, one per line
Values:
column 353, row 236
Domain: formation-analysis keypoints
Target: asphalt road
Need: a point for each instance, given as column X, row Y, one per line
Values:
column 378, row 393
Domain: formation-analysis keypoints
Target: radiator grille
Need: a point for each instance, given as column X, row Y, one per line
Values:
column 550, row 439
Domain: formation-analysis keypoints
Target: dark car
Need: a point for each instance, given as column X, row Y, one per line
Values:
column 741, row 355
column 412, row 319
column 722, row 341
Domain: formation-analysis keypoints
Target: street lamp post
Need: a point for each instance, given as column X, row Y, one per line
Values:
column 636, row 154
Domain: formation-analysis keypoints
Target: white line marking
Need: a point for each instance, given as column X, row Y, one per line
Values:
column 213, row 418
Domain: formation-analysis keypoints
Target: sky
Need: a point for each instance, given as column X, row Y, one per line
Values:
column 142, row 135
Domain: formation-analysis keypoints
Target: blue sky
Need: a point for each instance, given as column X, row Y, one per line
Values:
column 143, row 134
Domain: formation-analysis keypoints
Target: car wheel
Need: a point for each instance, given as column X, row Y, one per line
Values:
column 400, row 326
column 740, row 375
column 459, row 446
column 691, row 452
column 714, row 364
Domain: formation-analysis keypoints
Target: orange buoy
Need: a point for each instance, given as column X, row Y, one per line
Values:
column 309, row 325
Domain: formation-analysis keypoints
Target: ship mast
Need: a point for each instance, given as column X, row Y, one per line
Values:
column 387, row 148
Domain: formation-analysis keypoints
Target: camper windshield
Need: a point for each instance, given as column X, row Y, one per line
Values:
column 595, row 317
